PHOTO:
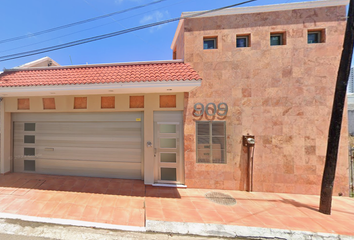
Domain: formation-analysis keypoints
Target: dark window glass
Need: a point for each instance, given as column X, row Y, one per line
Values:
column 29, row 165
column 209, row 43
column 29, row 139
column 275, row 40
column 29, row 152
column 169, row 174
column 242, row 42
column 30, row 127
column 313, row 37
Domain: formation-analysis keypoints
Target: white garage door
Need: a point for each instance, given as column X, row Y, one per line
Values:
column 80, row 144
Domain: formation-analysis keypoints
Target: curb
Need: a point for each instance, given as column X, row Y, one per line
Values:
column 69, row 222
column 230, row 231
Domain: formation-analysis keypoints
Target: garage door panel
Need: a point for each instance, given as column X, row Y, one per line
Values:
column 85, row 168
column 77, row 117
column 93, row 127
column 89, row 142
column 92, row 154
column 86, row 148
column 130, row 142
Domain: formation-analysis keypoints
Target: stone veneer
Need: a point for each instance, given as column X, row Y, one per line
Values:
column 281, row 94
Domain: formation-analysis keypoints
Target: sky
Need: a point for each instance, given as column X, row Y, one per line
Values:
column 23, row 17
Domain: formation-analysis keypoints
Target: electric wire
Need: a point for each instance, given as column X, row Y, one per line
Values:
column 113, row 34
column 132, row 16
column 78, row 23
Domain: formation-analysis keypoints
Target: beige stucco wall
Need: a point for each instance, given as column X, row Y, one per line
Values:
column 281, row 94
column 66, row 104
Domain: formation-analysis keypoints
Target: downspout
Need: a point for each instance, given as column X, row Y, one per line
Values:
column 249, row 142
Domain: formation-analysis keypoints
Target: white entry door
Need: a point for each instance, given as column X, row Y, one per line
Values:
column 168, row 150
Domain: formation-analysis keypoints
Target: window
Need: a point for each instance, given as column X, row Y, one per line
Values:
column 277, row 39
column 242, row 41
column 210, row 43
column 30, row 127
column 29, row 139
column 211, row 142
column 315, row 36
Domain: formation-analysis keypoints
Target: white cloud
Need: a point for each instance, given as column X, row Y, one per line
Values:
column 155, row 17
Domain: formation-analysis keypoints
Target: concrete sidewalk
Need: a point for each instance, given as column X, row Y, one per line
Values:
column 130, row 205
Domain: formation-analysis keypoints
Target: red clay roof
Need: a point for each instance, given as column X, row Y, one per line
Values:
column 141, row 72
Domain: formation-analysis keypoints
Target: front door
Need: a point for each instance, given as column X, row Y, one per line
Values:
column 168, row 148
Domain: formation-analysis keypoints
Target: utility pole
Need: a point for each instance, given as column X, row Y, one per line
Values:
column 337, row 115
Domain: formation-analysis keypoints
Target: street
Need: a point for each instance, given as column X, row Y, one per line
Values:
column 18, row 230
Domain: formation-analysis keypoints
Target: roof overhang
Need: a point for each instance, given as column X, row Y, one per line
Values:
column 104, row 88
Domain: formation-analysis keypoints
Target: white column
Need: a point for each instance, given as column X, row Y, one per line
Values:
column 6, row 129
column 148, row 136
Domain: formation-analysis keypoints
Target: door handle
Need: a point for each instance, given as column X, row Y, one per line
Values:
column 155, row 150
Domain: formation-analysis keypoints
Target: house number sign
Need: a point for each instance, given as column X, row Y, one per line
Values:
column 210, row 109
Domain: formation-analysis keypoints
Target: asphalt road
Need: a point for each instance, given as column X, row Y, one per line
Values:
column 13, row 229
column 4, row 236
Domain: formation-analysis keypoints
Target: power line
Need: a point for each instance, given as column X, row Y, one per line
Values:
column 28, row 45
column 108, row 35
column 78, row 23
column 132, row 16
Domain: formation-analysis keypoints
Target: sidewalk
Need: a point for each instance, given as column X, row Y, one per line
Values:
column 130, row 205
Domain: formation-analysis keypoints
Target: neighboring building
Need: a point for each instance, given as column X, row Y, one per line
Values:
column 351, row 81
column 42, row 62
column 350, row 104
column 267, row 71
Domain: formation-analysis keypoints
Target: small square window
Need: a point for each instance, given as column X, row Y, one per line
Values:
column 242, row 41
column 277, row 39
column 315, row 36
column 29, row 165
column 210, row 43
column 30, row 127
column 29, row 152
column 29, row 139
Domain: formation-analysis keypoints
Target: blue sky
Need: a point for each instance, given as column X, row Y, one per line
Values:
column 23, row 17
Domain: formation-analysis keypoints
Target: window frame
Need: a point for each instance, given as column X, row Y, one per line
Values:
column 214, row 39
column 277, row 34
column 210, row 142
column 247, row 37
column 320, row 33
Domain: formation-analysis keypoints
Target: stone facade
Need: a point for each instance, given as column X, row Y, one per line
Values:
column 281, row 94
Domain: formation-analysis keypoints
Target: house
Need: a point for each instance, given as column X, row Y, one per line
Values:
column 247, row 107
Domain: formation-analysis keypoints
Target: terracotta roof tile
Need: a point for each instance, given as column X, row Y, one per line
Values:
column 146, row 72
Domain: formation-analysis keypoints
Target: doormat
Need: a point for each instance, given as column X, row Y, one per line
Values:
column 220, row 198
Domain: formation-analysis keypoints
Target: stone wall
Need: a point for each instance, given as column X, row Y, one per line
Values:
column 281, row 94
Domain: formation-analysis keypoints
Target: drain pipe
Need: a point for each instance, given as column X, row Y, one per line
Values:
column 249, row 142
